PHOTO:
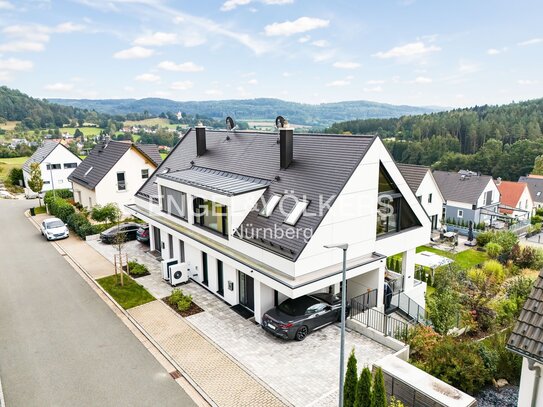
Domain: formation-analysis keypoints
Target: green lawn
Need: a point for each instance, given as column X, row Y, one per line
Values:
column 87, row 131
column 155, row 121
column 163, row 155
column 130, row 295
column 466, row 259
column 6, row 164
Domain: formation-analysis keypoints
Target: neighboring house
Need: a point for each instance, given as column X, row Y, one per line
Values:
column 515, row 199
column 113, row 172
column 424, row 186
column 468, row 196
column 535, row 186
column 56, row 164
column 527, row 341
column 249, row 213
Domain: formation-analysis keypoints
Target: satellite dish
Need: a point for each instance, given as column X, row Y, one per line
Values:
column 230, row 123
column 279, row 122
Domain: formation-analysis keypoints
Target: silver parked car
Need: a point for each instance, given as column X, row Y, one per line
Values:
column 54, row 228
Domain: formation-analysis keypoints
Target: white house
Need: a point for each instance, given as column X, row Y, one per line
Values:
column 469, row 196
column 527, row 341
column 113, row 172
column 424, row 186
column 249, row 214
column 56, row 164
column 515, row 199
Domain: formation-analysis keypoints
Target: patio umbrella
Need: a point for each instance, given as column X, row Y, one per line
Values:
column 470, row 231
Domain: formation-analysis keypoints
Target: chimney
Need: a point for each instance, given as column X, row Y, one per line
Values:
column 286, row 145
column 498, row 181
column 200, row 139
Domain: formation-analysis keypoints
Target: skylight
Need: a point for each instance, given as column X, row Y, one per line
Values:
column 270, row 206
column 87, row 172
column 296, row 212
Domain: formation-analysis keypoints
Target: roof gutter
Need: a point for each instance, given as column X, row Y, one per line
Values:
column 537, row 369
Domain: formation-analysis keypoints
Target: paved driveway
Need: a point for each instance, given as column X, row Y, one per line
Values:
column 60, row 344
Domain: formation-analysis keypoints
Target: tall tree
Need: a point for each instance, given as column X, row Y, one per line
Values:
column 35, row 183
column 351, row 380
column 379, row 398
column 363, row 389
column 538, row 165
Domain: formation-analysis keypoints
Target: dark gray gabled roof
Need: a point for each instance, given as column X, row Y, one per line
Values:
column 459, row 187
column 101, row 160
column 322, row 165
column 151, row 151
column 413, row 174
column 527, row 335
column 535, row 186
column 221, row 182
column 42, row 153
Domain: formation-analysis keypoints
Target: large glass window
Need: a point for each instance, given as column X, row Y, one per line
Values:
column 393, row 212
column 174, row 202
column 211, row 215
column 121, row 182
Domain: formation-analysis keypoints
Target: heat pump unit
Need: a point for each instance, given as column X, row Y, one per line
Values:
column 165, row 265
column 179, row 273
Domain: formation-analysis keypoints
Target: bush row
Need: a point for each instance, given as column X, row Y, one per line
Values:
column 62, row 209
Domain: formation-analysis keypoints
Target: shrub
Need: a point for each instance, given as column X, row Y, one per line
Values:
column 527, row 257
column 185, row 303
column 351, row 380
column 493, row 250
column 363, row 389
column 59, row 193
column 182, row 301
column 106, row 213
column 421, row 340
column 508, row 364
column 495, row 269
column 175, row 296
column 506, row 239
column 459, row 364
column 60, row 208
column 484, row 238
column 379, row 397
column 79, row 224
column 15, row 175
column 443, row 309
column 137, row 269
column 536, row 219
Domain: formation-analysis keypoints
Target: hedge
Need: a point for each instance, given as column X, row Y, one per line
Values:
column 80, row 224
column 60, row 208
column 59, row 193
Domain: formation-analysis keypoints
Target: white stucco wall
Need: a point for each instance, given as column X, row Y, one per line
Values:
column 429, row 186
column 57, row 178
column 491, row 186
column 525, row 202
column 527, row 385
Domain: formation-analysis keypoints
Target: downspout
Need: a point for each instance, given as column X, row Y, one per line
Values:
column 532, row 366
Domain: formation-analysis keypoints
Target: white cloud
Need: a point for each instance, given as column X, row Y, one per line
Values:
column 147, row 77
column 346, row 65
column 375, row 82
column 277, row 2
column 68, row 27
column 422, row 79
column 134, row 53
column 324, row 55
column 13, row 64
column 22, row 46
column 467, row 67
column 414, row 49
column 60, row 87
column 156, row 39
column 300, row 25
column 375, row 89
column 320, row 43
column 527, row 82
column 232, row 4
column 493, row 51
column 182, row 85
column 183, row 67
column 339, row 82
column 532, row 41
column 213, row 92
column 304, row 39
column 287, row 74
column 6, row 5
column 129, row 89
column 252, row 82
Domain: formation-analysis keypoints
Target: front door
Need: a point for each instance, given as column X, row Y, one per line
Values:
column 246, row 291
column 158, row 242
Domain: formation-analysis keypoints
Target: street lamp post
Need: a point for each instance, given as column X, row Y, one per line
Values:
column 51, row 175
column 344, row 247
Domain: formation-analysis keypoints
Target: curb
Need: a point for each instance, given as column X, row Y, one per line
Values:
column 202, row 393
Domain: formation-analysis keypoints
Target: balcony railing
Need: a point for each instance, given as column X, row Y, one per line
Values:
column 363, row 302
column 415, row 312
column 385, row 324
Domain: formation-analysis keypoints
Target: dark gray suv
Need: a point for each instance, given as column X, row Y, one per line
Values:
column 295, row 318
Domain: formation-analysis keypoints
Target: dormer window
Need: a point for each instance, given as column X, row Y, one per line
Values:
column 270, row 206
column 296, row 212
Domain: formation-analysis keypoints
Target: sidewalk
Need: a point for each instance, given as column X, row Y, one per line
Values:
column 216, row 374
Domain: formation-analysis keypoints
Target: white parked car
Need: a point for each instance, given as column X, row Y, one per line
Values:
column 54, row 228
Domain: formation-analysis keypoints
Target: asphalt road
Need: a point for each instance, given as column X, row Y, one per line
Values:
column 60, row 344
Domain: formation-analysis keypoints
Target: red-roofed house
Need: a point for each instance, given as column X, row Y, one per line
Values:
column 515, row 195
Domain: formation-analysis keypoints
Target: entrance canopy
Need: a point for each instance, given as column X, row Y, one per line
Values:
column 431, row 260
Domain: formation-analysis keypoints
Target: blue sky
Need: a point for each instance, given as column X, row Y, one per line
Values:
column 413, row 52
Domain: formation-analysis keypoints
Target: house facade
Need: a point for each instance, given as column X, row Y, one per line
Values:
column 468, row 196
column 526, row 340
column 249, row 214
column 112, row 173
column 515, row 199
column 424, row 186
column 56, row 165
column 535, row 186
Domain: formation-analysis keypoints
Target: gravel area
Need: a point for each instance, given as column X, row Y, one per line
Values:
column 490, row 397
